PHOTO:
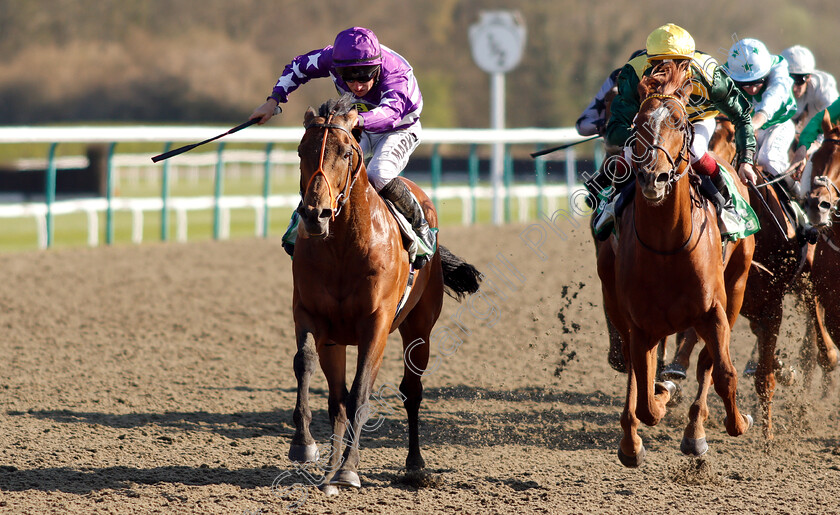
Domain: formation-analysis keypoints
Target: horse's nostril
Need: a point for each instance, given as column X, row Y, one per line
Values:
column 325, row 213
column 662, row 177
column 825, row 206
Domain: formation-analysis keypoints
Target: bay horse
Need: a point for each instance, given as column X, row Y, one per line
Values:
column 823, row 202
column 667, row 272
column 780, row 265
column 350, row 272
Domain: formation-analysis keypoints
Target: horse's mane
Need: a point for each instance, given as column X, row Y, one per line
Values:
column 666, row 78
column 339, row 107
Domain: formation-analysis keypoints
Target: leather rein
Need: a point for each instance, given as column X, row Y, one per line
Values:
column 336, row 203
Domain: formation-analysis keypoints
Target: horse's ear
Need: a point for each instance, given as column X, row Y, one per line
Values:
column 352, row 115
column 826, row 122
column 308, row 116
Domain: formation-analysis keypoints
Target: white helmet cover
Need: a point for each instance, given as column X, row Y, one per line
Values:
column 748, row 60
column 800, row 60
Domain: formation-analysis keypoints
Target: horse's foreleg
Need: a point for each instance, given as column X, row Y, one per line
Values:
column 694, row 436
column 714, row 330
column 766, row 330
column 359, row 410
column 631, row 451
column 653, row 397
column 808, row 353
column 827, row 356
column 615, row 357
column 334, row 364
column 303, row 448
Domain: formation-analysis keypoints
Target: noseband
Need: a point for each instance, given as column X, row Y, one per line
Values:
column 352, row 174
column 673, row 176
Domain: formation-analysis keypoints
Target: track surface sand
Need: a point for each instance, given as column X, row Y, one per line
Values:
column 158, row 379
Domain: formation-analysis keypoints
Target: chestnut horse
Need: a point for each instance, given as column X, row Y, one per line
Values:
column 350, row 272
column 823, row 202
column 779, row 266
column 667, row 273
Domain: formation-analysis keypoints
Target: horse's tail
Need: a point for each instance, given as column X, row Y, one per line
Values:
column 459, row 277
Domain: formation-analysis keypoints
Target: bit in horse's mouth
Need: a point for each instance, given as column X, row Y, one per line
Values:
column 654, row 198
column 318, row 236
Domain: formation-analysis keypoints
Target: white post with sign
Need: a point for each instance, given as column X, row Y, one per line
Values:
column 497, row 41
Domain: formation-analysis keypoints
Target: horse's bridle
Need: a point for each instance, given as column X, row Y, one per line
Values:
column 352, row 174
column 673, row 176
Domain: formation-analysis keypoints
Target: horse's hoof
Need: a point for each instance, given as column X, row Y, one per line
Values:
column 674, row 371
column 632, row 461
column 750, row 369
column 346, row 478
column 694, row 446
column 749, row 420
column 303, row 453
column 786, row 375
column 671, row 387
column 329, row 490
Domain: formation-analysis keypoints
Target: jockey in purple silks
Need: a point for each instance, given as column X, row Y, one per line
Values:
column 389, row 103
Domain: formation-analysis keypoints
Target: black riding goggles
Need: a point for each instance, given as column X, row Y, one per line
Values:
column 358, row 73
column 799, row 78
column 759, row 82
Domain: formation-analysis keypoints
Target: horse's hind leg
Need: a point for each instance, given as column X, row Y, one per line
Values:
column 415, row 359
column 303, row 448
column 677, row 369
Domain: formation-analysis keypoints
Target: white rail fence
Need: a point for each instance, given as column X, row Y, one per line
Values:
column 132, row 167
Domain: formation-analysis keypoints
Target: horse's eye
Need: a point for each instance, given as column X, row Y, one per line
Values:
column 347, row 154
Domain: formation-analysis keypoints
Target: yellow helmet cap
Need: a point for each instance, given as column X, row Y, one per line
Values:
column 668, row 42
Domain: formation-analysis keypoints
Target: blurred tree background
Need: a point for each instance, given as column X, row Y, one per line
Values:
column 213, row 61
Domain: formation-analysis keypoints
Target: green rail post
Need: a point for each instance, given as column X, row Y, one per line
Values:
column 217, row 193
column 436, row 171
column 49, row 192
column 266, row 187
column 473, row 173
column 508, row 175
column 600, row 153
column 109, row 195
column 571, row 171
column 539, row 165
column 164, row 196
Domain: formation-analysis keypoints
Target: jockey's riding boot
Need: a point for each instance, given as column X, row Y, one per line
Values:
column 804, row 229
column 603, row 223
column 406, row 203
column 290, row 236
column 714, row 189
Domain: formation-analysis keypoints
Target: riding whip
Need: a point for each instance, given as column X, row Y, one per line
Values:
column 561, row 147
column 187, row 148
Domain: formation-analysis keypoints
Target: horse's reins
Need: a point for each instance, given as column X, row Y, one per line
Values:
column 338, row 202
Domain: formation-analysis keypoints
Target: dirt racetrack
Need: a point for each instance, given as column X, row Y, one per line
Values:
column 158, row 379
